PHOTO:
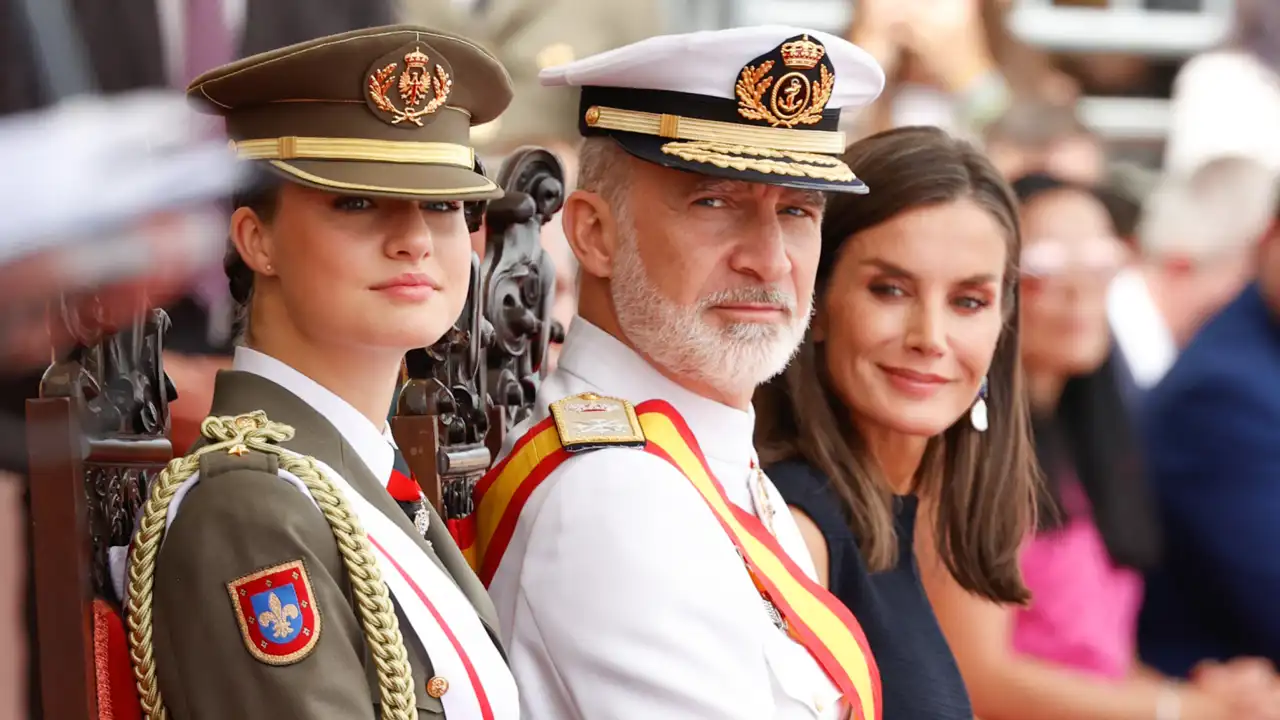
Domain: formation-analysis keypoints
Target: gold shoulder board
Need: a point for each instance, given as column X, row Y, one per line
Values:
column 589, row 422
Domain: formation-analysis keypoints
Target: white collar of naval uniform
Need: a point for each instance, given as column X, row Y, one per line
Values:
column 629, row 601
column 592, row 357
column 601, row 360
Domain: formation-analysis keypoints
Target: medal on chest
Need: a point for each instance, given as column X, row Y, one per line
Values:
column 421, row 518
column 760, row 497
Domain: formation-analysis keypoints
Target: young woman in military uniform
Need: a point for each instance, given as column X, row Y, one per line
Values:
column 273, row 575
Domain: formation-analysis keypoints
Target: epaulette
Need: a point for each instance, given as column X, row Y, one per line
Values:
column 221, row 463
column 252, row 442
column 588, row 421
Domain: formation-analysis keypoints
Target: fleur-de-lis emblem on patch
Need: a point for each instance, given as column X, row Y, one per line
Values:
column 277, row 618
column 277, row 613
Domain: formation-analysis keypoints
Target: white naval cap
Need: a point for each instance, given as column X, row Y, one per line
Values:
column 755, row 103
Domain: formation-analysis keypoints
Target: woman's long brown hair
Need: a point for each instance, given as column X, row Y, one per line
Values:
column 983, row 484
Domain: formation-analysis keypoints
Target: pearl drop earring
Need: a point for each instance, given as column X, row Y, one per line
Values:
column 978, row 413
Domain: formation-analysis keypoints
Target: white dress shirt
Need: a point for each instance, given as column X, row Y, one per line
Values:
column 620, row 596
column 360, row 433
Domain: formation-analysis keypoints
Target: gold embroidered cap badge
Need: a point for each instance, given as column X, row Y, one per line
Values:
column 408, row 85
column 787, row 86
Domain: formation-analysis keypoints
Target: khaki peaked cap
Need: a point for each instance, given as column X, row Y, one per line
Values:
column 383, row 111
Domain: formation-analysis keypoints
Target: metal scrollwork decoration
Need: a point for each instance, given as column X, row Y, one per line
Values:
column 440, row 420
column 114, row 378
column 520, row 285
column 460, row 395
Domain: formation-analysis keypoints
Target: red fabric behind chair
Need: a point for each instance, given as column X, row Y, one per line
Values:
column 193, row 376
column 117, row 692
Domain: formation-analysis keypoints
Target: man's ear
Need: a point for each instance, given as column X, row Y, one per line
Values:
column 252, row 240
column 592, row 232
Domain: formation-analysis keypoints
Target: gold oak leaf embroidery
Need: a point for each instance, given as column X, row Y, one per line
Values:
column 755, row 82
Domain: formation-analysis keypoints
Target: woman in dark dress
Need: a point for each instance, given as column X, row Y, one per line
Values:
column 877, row 434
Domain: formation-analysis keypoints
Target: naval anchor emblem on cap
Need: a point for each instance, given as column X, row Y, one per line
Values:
column 421, row 86
column 787, row 86
column 787, row 89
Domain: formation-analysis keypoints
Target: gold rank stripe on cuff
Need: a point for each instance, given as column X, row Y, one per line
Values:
column 358, row 149
column 678, row 127
column 815, row 618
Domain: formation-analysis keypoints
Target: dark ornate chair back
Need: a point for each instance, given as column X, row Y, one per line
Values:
column 96, row 435
column 461, row 395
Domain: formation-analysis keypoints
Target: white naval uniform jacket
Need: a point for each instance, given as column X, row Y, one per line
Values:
column 620, row 597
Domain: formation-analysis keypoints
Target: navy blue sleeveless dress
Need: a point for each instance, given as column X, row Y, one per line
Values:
column 918, row 674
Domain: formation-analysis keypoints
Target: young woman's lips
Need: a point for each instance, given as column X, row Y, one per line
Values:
column 413, row 287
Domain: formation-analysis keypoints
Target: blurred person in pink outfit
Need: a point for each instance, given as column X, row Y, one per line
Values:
column 1070, row 653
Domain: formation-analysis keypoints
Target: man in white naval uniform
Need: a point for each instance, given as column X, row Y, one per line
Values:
column 697, row 229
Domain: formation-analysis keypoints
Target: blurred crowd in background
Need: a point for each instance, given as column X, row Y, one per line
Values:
column 1150, row 383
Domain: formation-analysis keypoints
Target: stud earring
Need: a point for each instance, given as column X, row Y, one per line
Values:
column 978, row 413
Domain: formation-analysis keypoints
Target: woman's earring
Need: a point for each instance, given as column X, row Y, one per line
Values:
column 978, row 413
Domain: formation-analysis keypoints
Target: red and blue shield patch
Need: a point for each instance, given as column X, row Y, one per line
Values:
column 277, row 613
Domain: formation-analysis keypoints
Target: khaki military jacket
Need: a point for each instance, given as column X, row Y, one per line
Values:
column 240, row 518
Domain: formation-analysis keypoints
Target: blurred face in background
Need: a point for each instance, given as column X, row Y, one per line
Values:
column 911, row 317
column 1075, row 157
column 1069, row 256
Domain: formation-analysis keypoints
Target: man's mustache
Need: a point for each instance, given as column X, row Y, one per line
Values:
column 761, row 295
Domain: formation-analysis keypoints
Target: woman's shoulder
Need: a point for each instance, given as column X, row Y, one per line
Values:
column 806, row 487
column 799, row 476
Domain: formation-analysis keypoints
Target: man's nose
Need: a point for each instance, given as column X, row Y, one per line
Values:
column 763, row 252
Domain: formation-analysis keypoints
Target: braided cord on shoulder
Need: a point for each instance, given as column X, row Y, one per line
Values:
column 373, row 600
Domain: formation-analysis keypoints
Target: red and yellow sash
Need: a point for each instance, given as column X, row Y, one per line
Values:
column 815, row 617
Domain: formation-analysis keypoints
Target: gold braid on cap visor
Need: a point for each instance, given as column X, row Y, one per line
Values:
column 385, row 151
column 772, row 151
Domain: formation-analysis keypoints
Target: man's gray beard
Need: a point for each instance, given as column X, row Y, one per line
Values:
column 734, row 357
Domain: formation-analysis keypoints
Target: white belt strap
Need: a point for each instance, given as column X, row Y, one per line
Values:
column 480, row 685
